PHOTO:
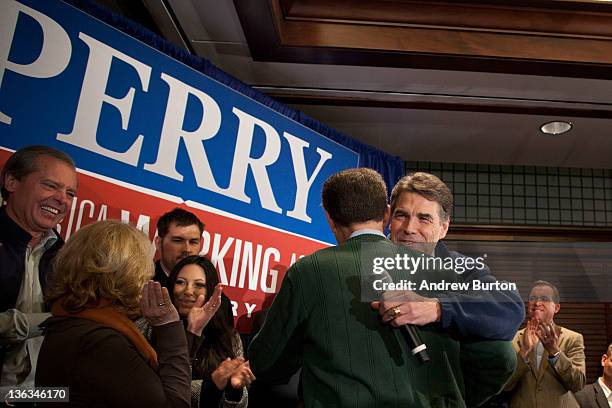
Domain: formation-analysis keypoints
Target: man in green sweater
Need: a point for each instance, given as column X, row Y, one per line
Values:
column 322, row 319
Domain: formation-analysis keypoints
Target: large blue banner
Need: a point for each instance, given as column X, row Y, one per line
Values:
column 149, row 133
column 126, row 111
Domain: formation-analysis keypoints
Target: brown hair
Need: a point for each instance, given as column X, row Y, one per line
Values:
column 556, row 297
column 428, row 186
column 219, row 334
column 180, row 217
column 355, row 195
column 106, row 259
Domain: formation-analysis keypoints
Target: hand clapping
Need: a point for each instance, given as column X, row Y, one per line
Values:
column 235, row 371
column 156, row 306
column 545, row 332
column 530, row 338
column 201, row 313
column 548, row 335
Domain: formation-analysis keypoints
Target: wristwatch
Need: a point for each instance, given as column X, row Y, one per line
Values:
column 553, row 359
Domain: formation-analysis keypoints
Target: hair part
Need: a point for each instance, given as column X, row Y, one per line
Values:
column 355, row 195
column 104, row 260
column 180, row 217
column 24, row 162
column 219, row 334
column 428, row 186
column 556, row 296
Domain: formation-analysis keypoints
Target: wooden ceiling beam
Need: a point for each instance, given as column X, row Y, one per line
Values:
column 565, row 38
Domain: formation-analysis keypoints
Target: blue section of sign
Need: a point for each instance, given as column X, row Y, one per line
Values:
column 41, row 108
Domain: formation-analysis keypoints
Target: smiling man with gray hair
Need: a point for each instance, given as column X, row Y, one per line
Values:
column 38, row 186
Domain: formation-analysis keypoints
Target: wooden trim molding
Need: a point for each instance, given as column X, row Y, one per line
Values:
column 546, row 18
column 568, row 38
column 472, row 232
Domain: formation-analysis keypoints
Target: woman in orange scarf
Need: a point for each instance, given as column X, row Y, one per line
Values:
column 91, row 344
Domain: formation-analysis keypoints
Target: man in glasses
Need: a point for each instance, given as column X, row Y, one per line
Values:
column 550, row 358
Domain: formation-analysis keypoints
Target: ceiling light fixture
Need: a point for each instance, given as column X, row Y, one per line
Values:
column 556, row 127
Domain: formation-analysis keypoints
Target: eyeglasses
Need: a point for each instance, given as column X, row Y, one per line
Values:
column 542, row 298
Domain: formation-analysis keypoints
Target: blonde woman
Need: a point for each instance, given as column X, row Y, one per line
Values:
column 91, row 344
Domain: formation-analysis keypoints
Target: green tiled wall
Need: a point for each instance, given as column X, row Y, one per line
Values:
column 525, row 195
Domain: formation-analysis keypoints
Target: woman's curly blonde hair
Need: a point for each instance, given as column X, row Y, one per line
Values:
column 104, row 260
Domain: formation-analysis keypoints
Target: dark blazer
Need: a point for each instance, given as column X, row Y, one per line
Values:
column 160, row 275
column 13, row 243
column 592, row 396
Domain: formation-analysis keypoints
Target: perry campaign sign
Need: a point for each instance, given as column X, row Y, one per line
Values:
column 149, row 133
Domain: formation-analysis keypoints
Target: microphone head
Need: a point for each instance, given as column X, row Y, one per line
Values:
column 383, row 277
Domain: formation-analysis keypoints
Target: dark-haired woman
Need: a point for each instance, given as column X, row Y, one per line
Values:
column 215, row 348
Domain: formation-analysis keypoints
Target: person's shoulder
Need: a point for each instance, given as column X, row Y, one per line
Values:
column 361, row 244
column 306, row 263
column 11, row 233
column 570, row 333
column 587, row 391
column 60, row 240
column 87, row 331
column 443, row 251
column 57, row 245
column 519, row 335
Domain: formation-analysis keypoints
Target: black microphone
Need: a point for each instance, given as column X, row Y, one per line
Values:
column 409, row 331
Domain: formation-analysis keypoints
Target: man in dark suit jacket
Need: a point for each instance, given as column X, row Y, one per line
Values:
column 599, row 394
column 322, row 319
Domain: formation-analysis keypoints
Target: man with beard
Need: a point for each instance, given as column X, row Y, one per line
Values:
column 551, row 361
column 179, row 236
column 38, row 186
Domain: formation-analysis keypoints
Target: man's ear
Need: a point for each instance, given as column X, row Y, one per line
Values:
column 557, row 307
column 158, row 243
column 387, row 216
column 201, row 244
column 332, row 224
column 10, row 183
column 445, row 225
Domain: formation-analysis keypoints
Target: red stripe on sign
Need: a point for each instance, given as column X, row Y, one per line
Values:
column 251, row 259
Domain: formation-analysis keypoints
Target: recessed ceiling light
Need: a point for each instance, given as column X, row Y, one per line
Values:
column 556, row 127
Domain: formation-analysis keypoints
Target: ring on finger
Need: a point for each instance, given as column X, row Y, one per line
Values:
column 395, row 312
